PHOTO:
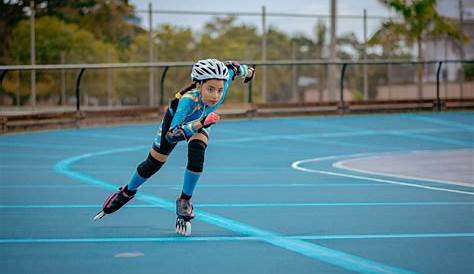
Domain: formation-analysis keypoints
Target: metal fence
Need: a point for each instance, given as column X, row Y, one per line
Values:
column 78, row 86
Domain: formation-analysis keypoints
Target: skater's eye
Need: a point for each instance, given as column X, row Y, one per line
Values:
column 213, row 90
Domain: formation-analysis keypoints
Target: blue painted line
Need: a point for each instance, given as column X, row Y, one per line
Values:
column 256, row 185
column 229, row 238
column 121, row 240
column 355, row 133
column 37, row 187
column 108, row 136
column 49, row 146
column 340, row 143
column 48, row 206
column 251, row 205
column 334, row 257
column 21, row 166
column 434, row 139
column 387, row 236
column 27, row 154
column 443, row 122
column 336, row 204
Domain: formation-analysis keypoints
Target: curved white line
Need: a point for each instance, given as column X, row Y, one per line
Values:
column 343, row 165
column 296, row 165
column 331, row 256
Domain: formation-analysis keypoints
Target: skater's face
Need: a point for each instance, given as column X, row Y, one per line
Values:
column 212, row 91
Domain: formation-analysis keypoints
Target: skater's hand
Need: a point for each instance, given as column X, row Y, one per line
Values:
column 250, row 75
column 210, row 119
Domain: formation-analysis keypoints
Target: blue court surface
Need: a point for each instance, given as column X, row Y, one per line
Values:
column 275, row 197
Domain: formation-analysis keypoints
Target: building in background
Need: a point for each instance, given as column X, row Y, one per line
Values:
column 447, row 48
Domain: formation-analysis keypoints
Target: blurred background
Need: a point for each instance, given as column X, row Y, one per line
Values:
column 153, row 32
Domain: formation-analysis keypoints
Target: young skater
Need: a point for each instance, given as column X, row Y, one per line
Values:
column 188, row 118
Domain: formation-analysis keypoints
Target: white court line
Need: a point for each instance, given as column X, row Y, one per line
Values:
column 296, row 165
column 343, row 165
column 311, row 250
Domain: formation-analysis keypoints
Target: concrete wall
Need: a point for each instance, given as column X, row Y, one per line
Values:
column 401, row 92
column 447, row 91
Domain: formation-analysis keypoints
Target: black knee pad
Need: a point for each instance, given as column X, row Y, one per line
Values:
column 196, row 151
column 149, row 167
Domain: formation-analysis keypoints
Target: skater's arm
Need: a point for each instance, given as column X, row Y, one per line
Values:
column 185, row 131
column 178, row 129
column 240, row 70
column 235, row 70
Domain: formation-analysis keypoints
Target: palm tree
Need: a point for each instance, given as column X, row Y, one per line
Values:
column 420, row 20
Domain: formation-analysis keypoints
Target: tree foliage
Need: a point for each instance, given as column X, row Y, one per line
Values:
column 102, row 31
column 54, row 38
column 108, row 21
column 420, row 21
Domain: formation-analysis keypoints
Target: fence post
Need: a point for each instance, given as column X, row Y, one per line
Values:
column 366, row 85
column 33, row 53
column 264, row 55
column 341, row 106
column 162, row 85
column 2, row 75
column 438, row 99
column 461, row 47
column 249, row 87
column 63, row 80
column 331, row 80
column 151, row 82
column 250, row 92
column 78, row 92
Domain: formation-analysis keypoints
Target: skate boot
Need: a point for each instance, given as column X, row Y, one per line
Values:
column 116, row 201
column 184, row 210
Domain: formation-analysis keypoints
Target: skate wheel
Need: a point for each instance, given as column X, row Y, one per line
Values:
column 183, row 227
column 99, row 215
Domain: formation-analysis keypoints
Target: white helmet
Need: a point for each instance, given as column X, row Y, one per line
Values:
column 209, row 69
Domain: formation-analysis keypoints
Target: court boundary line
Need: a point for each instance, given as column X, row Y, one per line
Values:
column 249, row 205
column 342, row 165
column 233, row 238
column 331, row 256
column 217, row 186
column 437, row 121
column 296, row 165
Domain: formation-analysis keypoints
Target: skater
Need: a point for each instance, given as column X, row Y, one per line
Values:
column 188, row 118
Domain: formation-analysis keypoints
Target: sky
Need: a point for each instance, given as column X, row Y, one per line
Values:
column 292, row 26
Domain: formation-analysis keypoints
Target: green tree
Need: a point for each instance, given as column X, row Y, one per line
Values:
column 53, row 37
column 420, row 20
column 174, row 43
column 469, row 71
column 170, row 43
column 110, row 21
column 223, row 38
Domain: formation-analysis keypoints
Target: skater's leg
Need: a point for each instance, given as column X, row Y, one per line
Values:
column 156, row 158
column 146, row 169
column 184, row 209
column 196, row 150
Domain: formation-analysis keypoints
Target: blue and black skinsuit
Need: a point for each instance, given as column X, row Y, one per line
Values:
column 182, row 113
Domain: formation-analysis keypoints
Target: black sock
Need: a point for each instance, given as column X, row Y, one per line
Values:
column 185, row 196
